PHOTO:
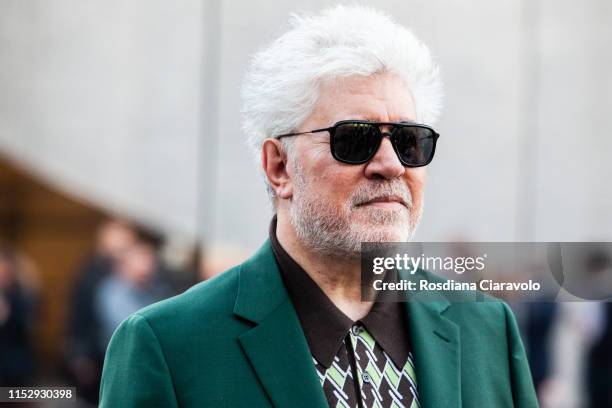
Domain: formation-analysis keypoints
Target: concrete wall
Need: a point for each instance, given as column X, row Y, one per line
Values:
column 119, row 102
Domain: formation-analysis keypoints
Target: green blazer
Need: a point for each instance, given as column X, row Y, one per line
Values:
column 236, row 341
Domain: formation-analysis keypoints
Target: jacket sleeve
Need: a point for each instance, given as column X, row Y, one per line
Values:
column 135, row 372
column 523, row 391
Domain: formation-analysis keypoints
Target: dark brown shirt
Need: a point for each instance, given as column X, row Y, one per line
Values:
column 362, row 363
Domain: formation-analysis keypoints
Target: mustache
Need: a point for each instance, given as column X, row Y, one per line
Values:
column 387, row 188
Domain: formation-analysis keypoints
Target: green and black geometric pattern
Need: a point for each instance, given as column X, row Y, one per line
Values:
column 381, row 383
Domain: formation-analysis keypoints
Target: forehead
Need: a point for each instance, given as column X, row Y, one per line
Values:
column 380, row 97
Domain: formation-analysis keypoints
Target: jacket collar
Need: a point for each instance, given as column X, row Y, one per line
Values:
column 278, row 351
column 436, row 345
column 276, row 346
column 261, row 289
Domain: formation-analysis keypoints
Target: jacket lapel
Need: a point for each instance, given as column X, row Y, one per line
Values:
column 276, row 346
column 278, row 351
column 436, row 348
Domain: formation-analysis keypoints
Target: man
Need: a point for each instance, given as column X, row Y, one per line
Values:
column 136, row 280
column 84, row 352
column 332, row 109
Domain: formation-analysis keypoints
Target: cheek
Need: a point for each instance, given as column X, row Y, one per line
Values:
column 415, row 178
column 334, row 180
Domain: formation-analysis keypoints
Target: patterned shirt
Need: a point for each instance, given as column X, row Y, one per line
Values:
column 381, row 383
column 360, row 364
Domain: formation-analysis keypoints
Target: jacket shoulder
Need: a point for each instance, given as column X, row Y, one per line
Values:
column 204, row 302
column 470, row 307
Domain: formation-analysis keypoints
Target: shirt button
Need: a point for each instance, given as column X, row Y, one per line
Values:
column 356, row 330
column 366, row 377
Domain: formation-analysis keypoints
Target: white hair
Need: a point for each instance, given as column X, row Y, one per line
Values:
column 281, row 85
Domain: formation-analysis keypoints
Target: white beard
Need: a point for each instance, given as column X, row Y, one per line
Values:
column 334, row 232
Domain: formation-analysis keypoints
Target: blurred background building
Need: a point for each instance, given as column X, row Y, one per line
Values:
column 124, row 117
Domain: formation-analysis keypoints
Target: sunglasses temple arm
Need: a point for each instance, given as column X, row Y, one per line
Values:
column 304, row 133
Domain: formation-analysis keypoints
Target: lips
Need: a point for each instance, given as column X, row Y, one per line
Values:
column 382, row 200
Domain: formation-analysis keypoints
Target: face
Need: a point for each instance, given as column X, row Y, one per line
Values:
column 334, row 206
column 114, row 238
column 137, row 264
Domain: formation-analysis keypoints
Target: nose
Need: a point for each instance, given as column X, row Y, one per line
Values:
column 385, row 164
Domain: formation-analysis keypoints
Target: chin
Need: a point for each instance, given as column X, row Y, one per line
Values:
column 395, row 235
column 384, row 233
column 397, row 220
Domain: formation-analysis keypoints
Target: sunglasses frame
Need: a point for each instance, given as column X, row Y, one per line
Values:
column 381, row 135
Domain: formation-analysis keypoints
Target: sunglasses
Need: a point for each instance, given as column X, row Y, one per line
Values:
column 357, row 141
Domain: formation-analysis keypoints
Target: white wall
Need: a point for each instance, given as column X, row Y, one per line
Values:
column 110, row 100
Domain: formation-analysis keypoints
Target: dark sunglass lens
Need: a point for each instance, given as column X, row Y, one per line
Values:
column 415, row 145
column 355, row 142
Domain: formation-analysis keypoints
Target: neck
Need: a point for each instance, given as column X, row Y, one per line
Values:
column 339, row 278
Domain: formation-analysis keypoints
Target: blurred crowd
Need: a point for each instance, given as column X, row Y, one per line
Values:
column 569, row 344
column 123, row 275
column 18, row 305
column 125, row 272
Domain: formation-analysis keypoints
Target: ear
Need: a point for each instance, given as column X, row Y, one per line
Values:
column 274, row 163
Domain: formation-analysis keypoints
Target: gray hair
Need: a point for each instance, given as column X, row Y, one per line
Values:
column 281, row 85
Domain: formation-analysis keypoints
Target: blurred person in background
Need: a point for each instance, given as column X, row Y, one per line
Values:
column 599, row 360
column 137, row 280
column 84, row 354
column 125, row 260
column 17, row 307
column 216, row 259
column 575, row 327
column 539, row 319
column 579, row 351
column 599, row 364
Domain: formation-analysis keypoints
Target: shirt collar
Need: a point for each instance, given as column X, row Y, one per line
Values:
column 325, row 326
